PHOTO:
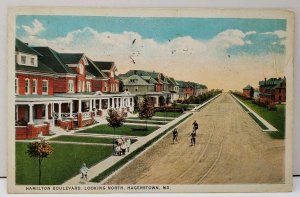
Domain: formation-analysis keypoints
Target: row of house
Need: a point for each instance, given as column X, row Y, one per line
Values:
column 62, row 90
column 272, row 90
column 154, row 85
column 67, row 90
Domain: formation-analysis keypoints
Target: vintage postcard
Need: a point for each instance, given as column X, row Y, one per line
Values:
column 150, row 100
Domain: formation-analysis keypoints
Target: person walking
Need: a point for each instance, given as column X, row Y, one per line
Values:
column 193, row 138
column 195, row 126
column 175, row 135
column 84, row 171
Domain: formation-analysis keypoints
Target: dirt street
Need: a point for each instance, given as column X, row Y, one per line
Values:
column 230, row 148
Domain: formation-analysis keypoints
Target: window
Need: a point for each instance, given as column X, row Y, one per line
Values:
column 111, row 87
column 83, row 86
column 16, row 85
column 70, row 86
column 34, row 86
column 136, row 89
column 105, row 86
column 88, row 86
column 80, row 68
column 23, row 59
column 32, row 61
column 27, row 83
column 79, row 86
column 45, row 87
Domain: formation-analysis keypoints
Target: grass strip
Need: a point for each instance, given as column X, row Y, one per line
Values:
column 130, row 156
column 262, row 125
column 132, row 130
column 143, row 122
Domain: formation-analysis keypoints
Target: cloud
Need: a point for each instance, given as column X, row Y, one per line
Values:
column 210, row 62
column 250, row 33
column 35, row 29
column 278, row 33
column 229, row 38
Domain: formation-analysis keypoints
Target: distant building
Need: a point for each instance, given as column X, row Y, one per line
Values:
column 248, row 91
column 273, row 90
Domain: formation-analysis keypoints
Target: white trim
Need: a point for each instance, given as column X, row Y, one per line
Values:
column 35, row 73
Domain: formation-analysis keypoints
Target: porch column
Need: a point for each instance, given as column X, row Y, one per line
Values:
column 94, row 106
column 122, row 102
column 30, row 114
column 91, row 105
column 79, row 106
column 59, row 111
column 100, row 104
column 46, row 112
column 71, row 110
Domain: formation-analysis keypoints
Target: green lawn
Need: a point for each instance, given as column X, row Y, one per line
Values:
column 276, row 118
column 68, row 138
column 133, row 154
column 62, row 165
column 168, row 114
column 144, row 122
column 137, row 118
column 133, row 130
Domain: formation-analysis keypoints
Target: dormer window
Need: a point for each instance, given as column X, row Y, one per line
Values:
column 32, row 61
column 26, row 59
column 23, row 59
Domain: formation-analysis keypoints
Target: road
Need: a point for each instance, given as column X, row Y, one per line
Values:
column 230, row 148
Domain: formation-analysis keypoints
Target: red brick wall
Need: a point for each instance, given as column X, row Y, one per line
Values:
column 21, row 133
column 39, row 79
column 246, row 93
column 98, row 85
column 65, row 124
column 31, row 131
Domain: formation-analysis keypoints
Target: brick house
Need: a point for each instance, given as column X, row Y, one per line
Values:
column 248, row 91
column 55, row 91
column 273, row 90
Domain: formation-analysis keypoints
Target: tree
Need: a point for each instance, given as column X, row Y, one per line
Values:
column 146, row 109
column 39, row 150
column 115, row 120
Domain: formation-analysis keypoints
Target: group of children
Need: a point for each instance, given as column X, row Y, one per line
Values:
column 121, row 146
column 193, row 134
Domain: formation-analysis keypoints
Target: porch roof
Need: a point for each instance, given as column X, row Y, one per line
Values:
column 40, row 98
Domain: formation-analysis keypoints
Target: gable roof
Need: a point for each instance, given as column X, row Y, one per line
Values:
column 104, row 65
column 52, row 59
column 139, row 81
column 22, row 47
column 41, row 68
column 248, row 87
column 92, row 68
column 71, row 58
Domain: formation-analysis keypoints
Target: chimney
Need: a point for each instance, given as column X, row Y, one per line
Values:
column 265, row 81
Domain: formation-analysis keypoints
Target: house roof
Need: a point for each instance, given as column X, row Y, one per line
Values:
column 139, row 81
column 248, row 87
column 22, row 47
column 71, row 58
column 52, row 59
column 42, row 68
column 92, row 68
column 104, row 65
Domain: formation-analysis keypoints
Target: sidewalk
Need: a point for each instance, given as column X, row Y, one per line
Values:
column 105, row 164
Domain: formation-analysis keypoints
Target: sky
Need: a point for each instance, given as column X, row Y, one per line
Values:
column 225, row 53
